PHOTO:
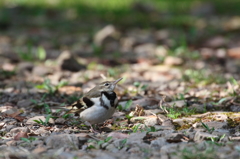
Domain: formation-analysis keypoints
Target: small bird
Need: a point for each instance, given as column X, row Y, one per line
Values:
column 98, row 104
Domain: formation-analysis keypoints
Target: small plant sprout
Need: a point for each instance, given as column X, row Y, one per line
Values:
column 50, row 88
column 120, row 108
column 210, row 130
column 217, row 140
column 135, row 128
column 128, row 105
column 46, row 122
column 31, row 53
column 47, row 108
column 104, row 141
column 65, row 116
column 129, row 117
column 97, row 142
column 174, row 112
column 140, row 87
column 91, row 147
column 29, row 140
column 41, row 53
column 234, row 86
column 151, row 129
column 122, row 143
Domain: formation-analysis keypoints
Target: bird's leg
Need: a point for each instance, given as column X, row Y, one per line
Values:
column 93, row 130
column 91, row 127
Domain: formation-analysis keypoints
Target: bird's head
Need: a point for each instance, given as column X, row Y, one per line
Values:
column 108, row 86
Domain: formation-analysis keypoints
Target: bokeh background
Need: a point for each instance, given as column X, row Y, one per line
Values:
column 180, row 63
column 200, row 28
column 157, row 41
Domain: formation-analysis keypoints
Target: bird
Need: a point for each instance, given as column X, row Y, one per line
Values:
column 97, row 105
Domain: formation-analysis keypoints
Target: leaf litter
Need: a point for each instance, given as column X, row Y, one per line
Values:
column 179, row 101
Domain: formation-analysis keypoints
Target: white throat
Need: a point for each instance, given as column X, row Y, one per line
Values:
column 106, row 101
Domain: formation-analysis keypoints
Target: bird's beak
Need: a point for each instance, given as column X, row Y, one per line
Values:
column 115, row 82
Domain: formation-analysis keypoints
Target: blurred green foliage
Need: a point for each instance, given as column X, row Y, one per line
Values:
column 96, row 4
column 128, row 12
column 124, row 5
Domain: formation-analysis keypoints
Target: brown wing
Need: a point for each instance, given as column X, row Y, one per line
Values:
column 80, row 105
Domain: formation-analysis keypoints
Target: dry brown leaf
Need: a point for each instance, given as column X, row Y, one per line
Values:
column 8, row 67
column 83, row 135
column 146, row 101
column 141, row 118
column 32, row 133
column 108, row 122
column 11, row 143
column 2, row 125
column 4, row 108
column 20, row 135
column 139, row 111
column 8, row 109
column 69, row 89
column 39, row 150
column 235, row 138
column 48, row 128
column 234, row 53
column 15, row 116
column 178, row 138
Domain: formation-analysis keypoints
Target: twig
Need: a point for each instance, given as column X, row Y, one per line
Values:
column 158, row 118
column 103, row 76
column 161, row 105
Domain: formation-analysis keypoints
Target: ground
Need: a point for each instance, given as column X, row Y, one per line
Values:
column 179, row 97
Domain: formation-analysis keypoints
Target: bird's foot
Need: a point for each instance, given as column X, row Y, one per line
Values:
column 91, row 128
column 94, row 131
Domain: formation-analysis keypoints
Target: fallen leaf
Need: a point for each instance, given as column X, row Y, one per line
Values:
column 178, row 138
column 69, row 89
column 15, row 116
column 2, row 125
column 233, row 138
column 20, row 135
column 141, row 118
column 139, row 111
column 39, row 150
column 11, row 143
column 83, row 135
column 8, row 109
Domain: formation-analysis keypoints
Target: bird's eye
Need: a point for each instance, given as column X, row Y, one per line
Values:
column 106, row 84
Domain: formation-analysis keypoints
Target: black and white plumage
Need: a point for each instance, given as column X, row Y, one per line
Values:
column 98, row 104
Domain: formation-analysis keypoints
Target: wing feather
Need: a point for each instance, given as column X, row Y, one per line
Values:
column 80, row 105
